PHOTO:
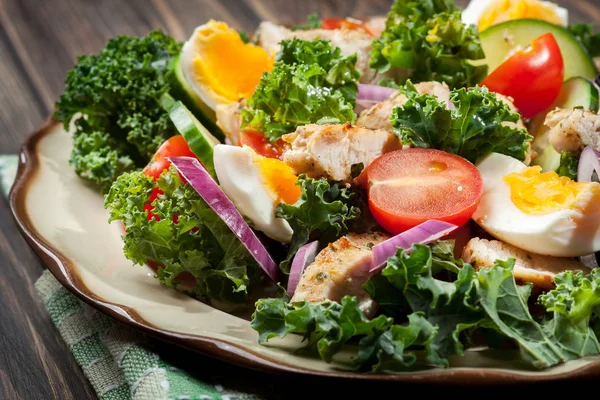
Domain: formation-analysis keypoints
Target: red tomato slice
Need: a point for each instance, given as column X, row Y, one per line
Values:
column 408, row 187
column 175, row 146
column 346, row 23
column 260, row 144
column 532, row 77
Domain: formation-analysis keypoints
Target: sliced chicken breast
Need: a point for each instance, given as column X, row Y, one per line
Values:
column 572, row 130
column 529, row 267
column 339, row 270
column 378, row 116
column 331, row 150
column 350, row 41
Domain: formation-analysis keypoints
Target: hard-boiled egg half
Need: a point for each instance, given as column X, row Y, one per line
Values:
column 539, row 212
column 485, row 13
column 220, row 67
column 256, row 185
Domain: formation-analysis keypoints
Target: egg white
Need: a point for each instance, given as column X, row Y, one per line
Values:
column 241, row 179
column 563, row 233
column 472, row 13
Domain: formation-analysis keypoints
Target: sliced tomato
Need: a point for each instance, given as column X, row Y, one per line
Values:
column 175, row 146
column 344, row 23
column 408, row 187
column 260, row 144
column 532, row 77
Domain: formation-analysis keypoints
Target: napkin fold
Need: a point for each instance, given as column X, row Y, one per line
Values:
column 119, row 362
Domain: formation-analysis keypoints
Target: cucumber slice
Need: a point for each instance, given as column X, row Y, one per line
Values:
column 576, row 92
column 181, row 90
column 498, row 41
column 200, row 140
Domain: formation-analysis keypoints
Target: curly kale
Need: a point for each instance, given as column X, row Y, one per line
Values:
column 474, row 128
column 428, row 42
column 179, row 231
column 584, row 34
column 323, row 212
column 113, row 100
column 311, row 82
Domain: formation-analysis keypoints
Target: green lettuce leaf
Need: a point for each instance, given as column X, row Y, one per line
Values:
column 323, row 212
column 426, row 41
column 472, row 130
column 197, row 241
column 311, row 82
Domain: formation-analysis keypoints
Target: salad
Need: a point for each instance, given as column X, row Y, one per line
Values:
column 417, row 183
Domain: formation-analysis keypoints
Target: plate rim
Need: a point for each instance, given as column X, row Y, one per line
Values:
column 60, row 266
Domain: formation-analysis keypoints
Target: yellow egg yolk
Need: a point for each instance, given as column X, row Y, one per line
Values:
column 230, row 67
column 534, row 192
column 280, row 179
column 506, row 10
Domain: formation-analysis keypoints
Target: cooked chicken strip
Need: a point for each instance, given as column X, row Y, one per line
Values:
column 529, row 267
column 350, row 41
column 339, row 270
column 572, row 130
column 330, row 151
column 378, row 116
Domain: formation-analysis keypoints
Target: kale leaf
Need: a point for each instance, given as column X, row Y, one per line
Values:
column 114, row 99
column 311, row 82
column 323, row 212
column 589, row 40
column 475, row 127
column 182, row 234
column 568, row 165
column 428, row 41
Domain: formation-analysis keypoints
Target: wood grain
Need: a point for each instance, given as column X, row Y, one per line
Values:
column 39, row 43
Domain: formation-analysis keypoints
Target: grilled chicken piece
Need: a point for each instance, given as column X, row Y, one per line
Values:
column 350, row 41
column 339, row 270
column 330, row 150
column 572, row 130
column 529, row 267
column 378, row 116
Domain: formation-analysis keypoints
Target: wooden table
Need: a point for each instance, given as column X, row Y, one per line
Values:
column 39, row 43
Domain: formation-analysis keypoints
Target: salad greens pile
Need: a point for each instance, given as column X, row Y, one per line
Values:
column 475, row 127
column 311, row 82
column 584, row 34
column 442, row 317
column 323, row 212
column 179, row 231
column 425, row 40
column 113, row 100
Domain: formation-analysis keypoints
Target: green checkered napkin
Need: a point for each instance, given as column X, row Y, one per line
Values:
column 116, row 360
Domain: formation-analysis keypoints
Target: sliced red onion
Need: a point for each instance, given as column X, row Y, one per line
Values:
column 588, row 163
column 209, row 190
column 427, row 232
column 304, row 257
column 374, row 92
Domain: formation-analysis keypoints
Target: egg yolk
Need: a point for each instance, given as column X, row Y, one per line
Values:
column 534, row 192
column 506, row 10
column 226, row 64
column 280, row 179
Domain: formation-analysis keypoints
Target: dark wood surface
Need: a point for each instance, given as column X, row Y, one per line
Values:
column 39, row 43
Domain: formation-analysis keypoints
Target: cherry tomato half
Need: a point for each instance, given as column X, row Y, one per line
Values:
column 260, row 144
column 408, row 187
column 344, row 23
column 175, row 146
column 532, row 77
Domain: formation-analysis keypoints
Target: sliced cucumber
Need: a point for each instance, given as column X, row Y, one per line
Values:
column 500, row 40
column 181, row 90
column 200, row 140
column 576, row 92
